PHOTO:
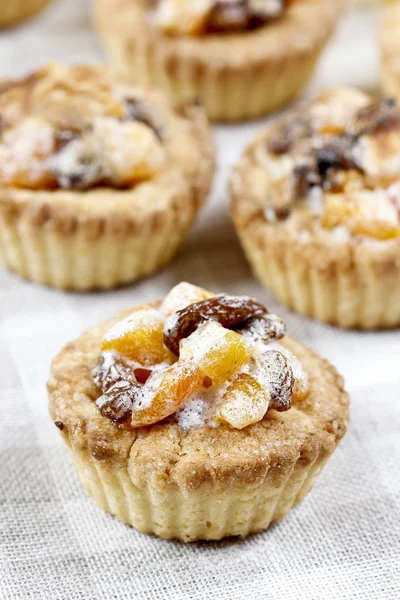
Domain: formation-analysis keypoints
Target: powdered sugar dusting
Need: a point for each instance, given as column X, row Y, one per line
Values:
column 194, row 413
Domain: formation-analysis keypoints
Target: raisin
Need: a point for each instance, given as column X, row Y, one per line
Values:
column 374, row 118
column 111, row 370
column 138, row 110
column 229, row 311
column 264, row 329
column 281, row 380
column 116, row 404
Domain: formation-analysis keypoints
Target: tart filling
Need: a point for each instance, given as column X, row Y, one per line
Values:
column 332, row 168
column 179, row 17
column 73, row 128
column 202, row 358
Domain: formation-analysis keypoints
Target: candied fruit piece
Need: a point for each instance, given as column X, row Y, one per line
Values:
column 181, row 296
column 218, row 352
column 229, row 311
column 165, row 392
column 139, row 337
column 244, row 402
column 364, row 213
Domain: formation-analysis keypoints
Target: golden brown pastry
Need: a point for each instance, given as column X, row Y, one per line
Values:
column 316, row 203
column 243, row 58
column 196, row 418
column 14, row 11
column 99, row 181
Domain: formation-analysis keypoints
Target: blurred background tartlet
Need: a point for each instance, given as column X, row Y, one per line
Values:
column 15, row 11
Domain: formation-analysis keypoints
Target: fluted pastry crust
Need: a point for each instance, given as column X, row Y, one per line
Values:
column 204, row 483
column 103, row 237
column 237, row 76
column 352, row 282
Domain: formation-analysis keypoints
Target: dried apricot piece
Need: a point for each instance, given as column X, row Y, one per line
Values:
column 183, row 295
column 217, row 351
column 244, row 402
column 165, row 392
column 139, row 337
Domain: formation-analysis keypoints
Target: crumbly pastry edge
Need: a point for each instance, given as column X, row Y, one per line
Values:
column 14, row 11
column 239, row 85
column 59, row 245
column 158, row 480
column 350, row 284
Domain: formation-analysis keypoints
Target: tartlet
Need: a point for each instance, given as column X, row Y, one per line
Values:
column 390, row 51
column 14, row 11
column 242, row 58
column 316, row 204
column 220, row 441
column 99, row 181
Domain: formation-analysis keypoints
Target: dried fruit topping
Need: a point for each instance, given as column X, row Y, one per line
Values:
column 134, row 403
column 280, row 378
column 244, row 402
column 139, row 337
column 263, row 329
column 223, row 344
column 181, row 16
column 375, row 117
column 230, row 311
column 165, row 392
column 110, row 369
column 364, row 213
column 218, row 352
column 181, row 296
column 144, row 112
column 116, row 404
column 71, row 128
column 294, row 128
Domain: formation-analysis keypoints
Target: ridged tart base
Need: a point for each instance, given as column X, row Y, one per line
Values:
column 236, row 76
column 14, row 11
column 105, row 238
column 205, row 483
column 352, row 283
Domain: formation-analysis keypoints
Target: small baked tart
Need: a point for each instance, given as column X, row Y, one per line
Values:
column 316, row 201
column 14, row 11
column 99, row 181
column 390, row 51
column 242, row 58
column 196, row 418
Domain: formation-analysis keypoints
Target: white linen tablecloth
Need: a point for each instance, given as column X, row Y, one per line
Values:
column 343, row 542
